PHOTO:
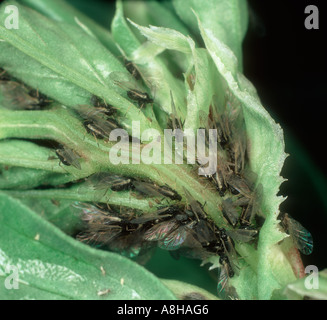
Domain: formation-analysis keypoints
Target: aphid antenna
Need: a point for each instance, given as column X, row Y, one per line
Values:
column 132, row 104
column 96, row 140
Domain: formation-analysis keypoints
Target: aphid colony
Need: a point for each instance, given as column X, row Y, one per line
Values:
column 182, row 227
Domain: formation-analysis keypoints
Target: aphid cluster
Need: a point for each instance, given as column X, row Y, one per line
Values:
column 183, row 228
column 237, row 187
column 186, row 229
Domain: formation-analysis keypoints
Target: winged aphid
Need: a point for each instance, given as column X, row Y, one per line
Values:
column 301, row 237
column 68, row 156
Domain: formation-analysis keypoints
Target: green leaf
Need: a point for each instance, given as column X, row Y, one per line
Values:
column 154, row 13
column 51, row 265
column 227, row 20
column 312, row 287
column 186, row 291
column 61, row 11
column 63, row 52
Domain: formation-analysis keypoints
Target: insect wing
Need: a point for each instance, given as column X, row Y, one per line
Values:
column 223, row 278
column 99, row 235
column 230, row 252
column 15, row 96
column 132, row 69
column 195, row 205
column 174, row 239
column 146, row 188
column 125, row 81
column 203, row 233
column 127, row 244
column 92, row 213
column 104, row 181
column 302, row 237
column 167, row 192
column 69, row 157
column 229, row 211
column 242, row 235
column 175, row 120
column 160, row 231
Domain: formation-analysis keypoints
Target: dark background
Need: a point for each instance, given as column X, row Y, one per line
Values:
column 288, row 65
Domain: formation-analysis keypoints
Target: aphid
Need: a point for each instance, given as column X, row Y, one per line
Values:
column 17, row 97
column 219, row 181
column 218, row 120
column 141, row 98
column 130, row 67
column 228, row 249
column 229, row 212
column 176, row 123
column 99, row 234
column 105, row 180
column 219, row 178
column 301, row 237
column 102, row 106
column 134, row 90
column 130, row 244
column 195, row 206
column 225, row 272
column 168, row 210
column 68, row 157
column 252, row 208
column 243, row 234
column 229, row 121
column 237, row 140
column 115, row 232
column 204, row 232
column 152, row 189
column 239, row 185
column 159, row 231
column 42, row 99
column 96, row 122
column 101, row 227
column 177, row 237
column 170, row 235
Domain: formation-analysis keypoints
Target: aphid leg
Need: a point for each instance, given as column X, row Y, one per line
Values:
column 128, row 110
column 62, row 166
column 96, row 140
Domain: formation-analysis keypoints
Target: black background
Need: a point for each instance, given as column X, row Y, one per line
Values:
column 288, row 65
